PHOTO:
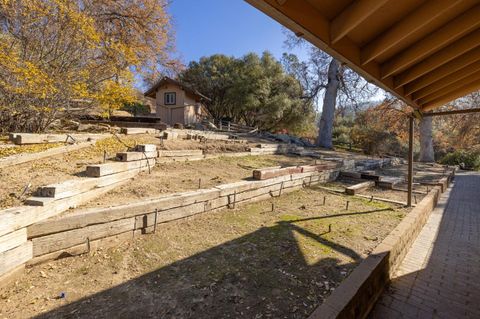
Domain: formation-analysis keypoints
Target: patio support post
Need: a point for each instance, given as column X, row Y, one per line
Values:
column 410, row 160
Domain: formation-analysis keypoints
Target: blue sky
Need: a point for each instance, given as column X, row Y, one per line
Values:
column 231, row 27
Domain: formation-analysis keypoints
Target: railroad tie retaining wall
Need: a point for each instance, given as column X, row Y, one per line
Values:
column 75, row 233
column 357, row 294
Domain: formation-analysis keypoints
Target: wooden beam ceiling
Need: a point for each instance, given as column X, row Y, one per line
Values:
column 410, row 24
column 461, row 75
column 459, row 63
column 452, row 31
column 429, row 52
column 441, row 57
column 352, row 16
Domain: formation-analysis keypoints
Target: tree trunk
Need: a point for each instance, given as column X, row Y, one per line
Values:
column 426, row 140
column 325, row 127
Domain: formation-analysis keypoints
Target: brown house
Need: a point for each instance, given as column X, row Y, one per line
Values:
column 177, row 103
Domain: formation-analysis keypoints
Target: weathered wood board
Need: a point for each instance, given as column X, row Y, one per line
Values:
column 351, row 190
column 15, row 257
column 180, row 153
column 80, row 185
column 138, row 130
column 118, row 167
column 13, row 239
column 83, row 248
column 32, row 138
column 14, row 218
column 58, row 241
column 135, row 156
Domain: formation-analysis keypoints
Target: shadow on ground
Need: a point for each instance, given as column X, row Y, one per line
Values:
column 244, row 278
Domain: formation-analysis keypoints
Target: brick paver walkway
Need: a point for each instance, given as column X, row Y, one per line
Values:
column 440, row 276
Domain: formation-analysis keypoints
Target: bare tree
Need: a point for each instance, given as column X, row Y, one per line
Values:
column 322, row 74
column 426, row 140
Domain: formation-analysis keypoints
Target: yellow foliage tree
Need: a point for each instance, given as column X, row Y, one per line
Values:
column 57, row 55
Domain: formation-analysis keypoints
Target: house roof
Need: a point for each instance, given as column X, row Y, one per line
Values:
column 166, row 80
column 425, row 52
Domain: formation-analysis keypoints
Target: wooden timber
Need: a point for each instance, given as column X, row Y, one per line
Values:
column 351, row 190
column 118, row 167
column 31, row 138
column 15, row 257
column 135, row 156
column 77, row 186
column 12, row 219
column 180, row 153
column 54, row 242
column 138, row 130
column 13, row 239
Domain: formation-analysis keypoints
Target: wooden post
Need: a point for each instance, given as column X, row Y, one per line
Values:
column 410, row 161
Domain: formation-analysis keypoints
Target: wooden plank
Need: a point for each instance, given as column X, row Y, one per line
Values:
column 80, row 185
column 266, row 173
column 179, row 153
column 14, row 218
column 107, row 242
column 104, row 215
column 50, row 243
column 13, row 239
column 168, row 135
column 28, row 157
column 138, row 130
column 147, row 148
column 146, row 220
column 32, row 138
column 115, row 168
column 180, row 159
column 351, row 190
column 135, row 156
column 15, row 257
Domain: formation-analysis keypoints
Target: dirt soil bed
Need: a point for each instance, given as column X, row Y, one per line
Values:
column 183, row 176
column 400, row 196
column 55, row 169
column 250, row 262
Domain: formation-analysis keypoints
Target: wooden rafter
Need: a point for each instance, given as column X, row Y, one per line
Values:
column 443, row 56
column 466, row 89
column 461, row 75
column 454, row 86
column 352, row 16
column 316, row 29
column 452, row 31
column 443, row 71
column 421, row 17
column 427, row 70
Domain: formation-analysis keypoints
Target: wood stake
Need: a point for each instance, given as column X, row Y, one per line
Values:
column 273, row 207
column 155, row 224
column 88, row 244
column 348, row 202
column 104, row 156
column 330, row 228
column 324, row 200
column 199, row 183
column 234, row 198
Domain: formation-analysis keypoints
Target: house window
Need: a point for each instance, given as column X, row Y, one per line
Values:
column 170, row 98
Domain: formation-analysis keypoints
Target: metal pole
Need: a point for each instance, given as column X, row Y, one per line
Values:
column 410, row 161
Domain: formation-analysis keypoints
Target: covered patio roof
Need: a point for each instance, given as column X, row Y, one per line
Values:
column 425, row 52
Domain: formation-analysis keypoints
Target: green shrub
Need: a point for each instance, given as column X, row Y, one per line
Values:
column 465, row 159
column 136, row 108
